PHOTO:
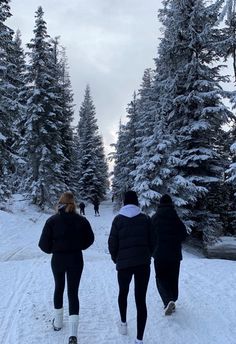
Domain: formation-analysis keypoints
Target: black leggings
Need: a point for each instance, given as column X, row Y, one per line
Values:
column 141, row 277
column 167, row 280
column 71, row 266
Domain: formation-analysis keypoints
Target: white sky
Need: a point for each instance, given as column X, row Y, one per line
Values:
column 109, row 44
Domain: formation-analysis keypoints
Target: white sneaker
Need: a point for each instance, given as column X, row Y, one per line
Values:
column 170, row 308
column 137, row 341
column 123, row 329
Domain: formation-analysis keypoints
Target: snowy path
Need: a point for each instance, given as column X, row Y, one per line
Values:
column 206, row 311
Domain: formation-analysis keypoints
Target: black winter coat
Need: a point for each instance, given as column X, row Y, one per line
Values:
column 170, row 231
column 66, row 233
column 131, row 241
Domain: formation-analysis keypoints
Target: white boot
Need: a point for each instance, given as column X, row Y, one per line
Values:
column 57, row 321
column 73, row 325
column 137, row 341
column 123, row 328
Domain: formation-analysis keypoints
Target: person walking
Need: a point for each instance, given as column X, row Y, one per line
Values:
column 65, row 235
column 96, row 206
column 82, row 208
column 170, row 232
column 130, row 244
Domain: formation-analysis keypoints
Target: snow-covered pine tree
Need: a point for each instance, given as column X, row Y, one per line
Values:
column 42, row 139
column 227, row 49
column 124, row 177
column 18, row 127
column 196, row 112
column 147, row 181
column 7, row 101
column 91, row 171
column 131, row 132
column 102, row 168
column 65, row 101
column 227, row 41
column 120, row 179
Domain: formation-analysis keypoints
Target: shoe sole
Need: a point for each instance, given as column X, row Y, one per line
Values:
column 170, row 308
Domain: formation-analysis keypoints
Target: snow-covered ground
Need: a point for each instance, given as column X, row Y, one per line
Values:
column 206, row 310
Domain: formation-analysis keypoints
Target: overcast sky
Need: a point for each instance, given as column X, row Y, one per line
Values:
column 109, row 43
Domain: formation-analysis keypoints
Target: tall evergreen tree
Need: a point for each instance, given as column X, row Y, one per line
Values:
column 19, row 117
column 196, row 112
column 227, row 49
column 147, row 180
column 66, row 113
column 92, row 169
column 125, row 157
column 7, row 101
column 120, row 179
column 227, row 41
column 132, row 133
column 42, row 139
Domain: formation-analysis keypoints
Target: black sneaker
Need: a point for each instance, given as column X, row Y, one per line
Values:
column 72, row 340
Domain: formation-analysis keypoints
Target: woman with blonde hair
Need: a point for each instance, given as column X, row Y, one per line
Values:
column 65, row 235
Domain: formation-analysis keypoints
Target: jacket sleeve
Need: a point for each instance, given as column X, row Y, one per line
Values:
column 182, row 230
column 151, row 236
column 113, row 243
column 88, row 235
column 154, row 234
column 45, row 241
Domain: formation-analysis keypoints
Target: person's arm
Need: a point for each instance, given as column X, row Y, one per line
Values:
column 151, row 236
column 113, row 243
column 154, row 223
column 88, row 237
column 182, row 230
column 45, row 241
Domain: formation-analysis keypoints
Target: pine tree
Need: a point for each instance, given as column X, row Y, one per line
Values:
column 131, row 133
column 65, row 101
column 227, row 41
column 102, row 169
column 195, row 113
column 7, row 101
column 227, row 50
column 120, row 180
column 126, row 153
column 42, row 140
column 19, row 119
column 92, row 169
column 147, row 181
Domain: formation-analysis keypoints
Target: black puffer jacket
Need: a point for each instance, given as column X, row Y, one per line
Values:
column 170, row 232
column 66, row 233
column 131, row 241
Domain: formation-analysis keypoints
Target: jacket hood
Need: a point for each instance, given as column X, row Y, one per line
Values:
column 166, row 210
column 130, row 210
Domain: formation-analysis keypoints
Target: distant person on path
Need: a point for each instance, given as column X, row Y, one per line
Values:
column 96, row 206
column 130, row 245
column 82, row 208
column 65, row 235
column 170, row 232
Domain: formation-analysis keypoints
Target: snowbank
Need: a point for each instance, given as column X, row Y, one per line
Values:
column 225, row 248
